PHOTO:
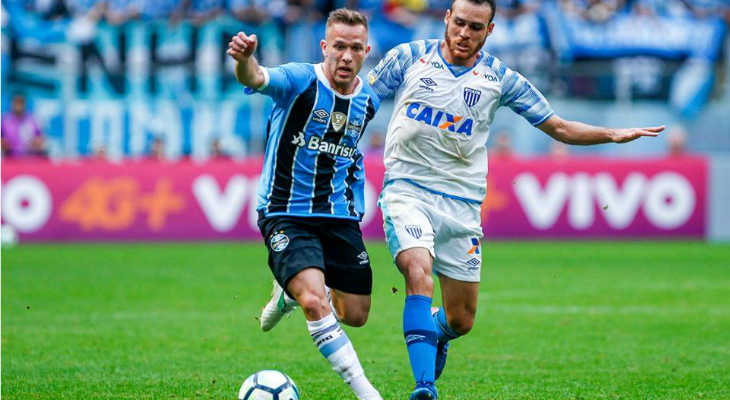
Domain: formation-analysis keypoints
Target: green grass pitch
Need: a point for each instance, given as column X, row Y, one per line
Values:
column 565, row 320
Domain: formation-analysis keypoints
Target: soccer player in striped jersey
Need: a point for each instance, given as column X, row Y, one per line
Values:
column 310, row 196
column 446, row 94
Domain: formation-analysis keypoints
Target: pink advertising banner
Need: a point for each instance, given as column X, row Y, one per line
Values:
column 596, row 198
column 535, row 198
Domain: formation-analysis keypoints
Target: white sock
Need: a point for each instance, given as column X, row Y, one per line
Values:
column 336, row 347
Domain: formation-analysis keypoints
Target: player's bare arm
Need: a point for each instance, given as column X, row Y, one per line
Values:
column 241, row 49
column 578, row 133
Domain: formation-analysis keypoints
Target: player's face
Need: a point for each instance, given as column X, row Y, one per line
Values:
column 467, row 28
column 345, row 49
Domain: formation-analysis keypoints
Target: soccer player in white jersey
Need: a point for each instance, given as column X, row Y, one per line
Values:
column 446, row 94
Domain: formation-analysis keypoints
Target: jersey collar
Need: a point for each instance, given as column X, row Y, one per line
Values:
column 456, row 69
column 319, row 69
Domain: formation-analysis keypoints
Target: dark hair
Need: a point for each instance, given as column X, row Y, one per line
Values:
column 347, row 17
column 491, row 3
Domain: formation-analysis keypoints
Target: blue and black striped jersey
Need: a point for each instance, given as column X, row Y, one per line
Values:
column 312, row 166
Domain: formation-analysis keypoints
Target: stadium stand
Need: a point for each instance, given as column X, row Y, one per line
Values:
column 115, row 77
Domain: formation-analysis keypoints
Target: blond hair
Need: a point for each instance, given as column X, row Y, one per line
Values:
column 347, row 17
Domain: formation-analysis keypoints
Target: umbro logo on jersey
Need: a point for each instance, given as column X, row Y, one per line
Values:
column 428, row 84
column 363, row 257
column 473, row 264
column 320, row 116
column 428, row 81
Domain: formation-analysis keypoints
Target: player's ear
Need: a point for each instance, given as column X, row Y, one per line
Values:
column 323, row 45
column 367, row 50
column 490, row 27
column 447, row 17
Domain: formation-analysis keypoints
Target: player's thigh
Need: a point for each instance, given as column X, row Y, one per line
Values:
column 406, row 219
column 292, row 246
column 347, row 263
column 458, row 241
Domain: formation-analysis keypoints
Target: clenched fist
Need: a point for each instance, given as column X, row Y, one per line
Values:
column 242, row 47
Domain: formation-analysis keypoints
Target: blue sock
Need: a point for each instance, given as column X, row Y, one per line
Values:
column 420, row 334
column 444, row 333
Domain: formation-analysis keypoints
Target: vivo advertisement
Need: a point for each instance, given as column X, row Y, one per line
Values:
column 526, row 199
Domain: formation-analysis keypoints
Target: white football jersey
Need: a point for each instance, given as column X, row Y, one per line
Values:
column 438, row 132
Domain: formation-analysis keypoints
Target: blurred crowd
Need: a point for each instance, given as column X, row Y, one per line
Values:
column 522, row 41
column 404, row 12
column 409, row 16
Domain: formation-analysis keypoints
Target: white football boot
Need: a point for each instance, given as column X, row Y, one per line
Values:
column 279, row 306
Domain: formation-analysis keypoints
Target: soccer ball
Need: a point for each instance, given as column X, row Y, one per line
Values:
column 268, row 385
column 8, row 235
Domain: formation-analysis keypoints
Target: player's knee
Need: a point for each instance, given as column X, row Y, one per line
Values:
column 313, row 304
column 355, row 321
column 417, row 279
column 462, row 326
column 462, row 323
column 356, row 317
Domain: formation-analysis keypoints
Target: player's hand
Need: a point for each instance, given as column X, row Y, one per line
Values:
column 242, row 47
column 629, row 134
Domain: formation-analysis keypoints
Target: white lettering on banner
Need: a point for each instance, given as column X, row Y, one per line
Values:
column 542, row 207
column 668, row 199
column 580, row 210
column 619, row 207
column 222, row 209
column 26, row 203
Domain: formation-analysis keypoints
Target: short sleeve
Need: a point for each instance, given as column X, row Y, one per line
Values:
column 524, row 99
column 285, row 81
column 388, row 75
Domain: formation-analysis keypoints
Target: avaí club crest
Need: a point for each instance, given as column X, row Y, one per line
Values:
column 471, row 96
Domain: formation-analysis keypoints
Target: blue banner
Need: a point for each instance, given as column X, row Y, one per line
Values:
column 627, row 35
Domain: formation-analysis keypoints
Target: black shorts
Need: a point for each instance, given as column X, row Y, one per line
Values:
column 333, row 245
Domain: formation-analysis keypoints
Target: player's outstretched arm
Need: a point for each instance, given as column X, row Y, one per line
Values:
column 241, row 49
column 572, row 132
